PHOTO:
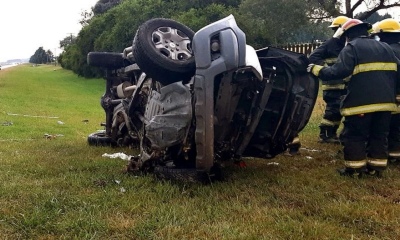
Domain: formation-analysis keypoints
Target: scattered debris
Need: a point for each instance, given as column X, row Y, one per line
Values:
column 123, row 156
column 117, row 181
column 60, row 122
column 310, row 150
column 241, row 164
column 52, row 136
column 7, row 123
column 309, row 157
column 122, row 189
column 100, row 182
column 273, row 163
column 26, row 115
column 85, row 121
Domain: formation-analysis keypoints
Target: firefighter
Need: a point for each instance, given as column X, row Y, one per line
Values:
column 370, row 69
column 326, row 55
column 388, row 31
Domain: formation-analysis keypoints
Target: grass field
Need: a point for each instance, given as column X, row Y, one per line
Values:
column 60, row 188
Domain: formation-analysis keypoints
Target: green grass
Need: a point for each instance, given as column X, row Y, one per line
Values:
column 64, row 189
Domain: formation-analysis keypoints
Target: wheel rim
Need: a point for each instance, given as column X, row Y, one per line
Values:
column 172, row 43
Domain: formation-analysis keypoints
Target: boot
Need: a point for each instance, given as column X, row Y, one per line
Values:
column 294, row 146
column 328, row 135
column 369, row 171
column 353, row 173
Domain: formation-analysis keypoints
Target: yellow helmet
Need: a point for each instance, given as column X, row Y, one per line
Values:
column 338, row 21
column 387, row 25
column 375, row 28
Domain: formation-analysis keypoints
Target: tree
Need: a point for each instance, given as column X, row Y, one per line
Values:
column 112, row 24
column 100, row 7
column 200, row 4
column 322, row 10
column 375, row 17
column 327, row 9
column 265, row 22
column 372, row 7
column 86, row 17
column 112, row 31
column 268, row 23
column 41, row 56
column 197, row 18
column 50, row 56
column 103, row 6
column 71, row 39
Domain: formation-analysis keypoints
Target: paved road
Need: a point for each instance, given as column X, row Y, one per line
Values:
column 8, row 66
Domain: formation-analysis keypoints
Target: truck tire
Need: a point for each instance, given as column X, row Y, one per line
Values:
column 162, row 49
column 110, row 60
column 99, row 139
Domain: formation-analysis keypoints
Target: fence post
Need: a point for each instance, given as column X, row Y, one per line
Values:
column 304, row 48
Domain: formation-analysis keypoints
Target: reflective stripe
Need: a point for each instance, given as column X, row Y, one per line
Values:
column 379, row 107
column 326, row 122
column 296, row 140
column 347, row 79
column 355, row 164
column 397, row 110
column 377, row 66
column 394, row 154
column 331, row 61
column 333, row 87
column 377, row 162
column 315, row 70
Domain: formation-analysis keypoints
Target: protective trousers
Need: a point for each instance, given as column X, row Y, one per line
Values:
column 332, row 117
column 364, row 139
column 394, row 137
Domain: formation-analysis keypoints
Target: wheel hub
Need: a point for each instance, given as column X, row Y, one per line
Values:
column 172, row 45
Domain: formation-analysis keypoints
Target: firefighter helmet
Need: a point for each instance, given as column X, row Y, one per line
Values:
column 354, row 22
column 387, row 25
column 338, row 21
column 375, row 28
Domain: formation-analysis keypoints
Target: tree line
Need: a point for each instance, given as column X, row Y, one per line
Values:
column 111, row 24
column 41, row 56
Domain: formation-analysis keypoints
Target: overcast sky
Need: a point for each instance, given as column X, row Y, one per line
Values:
column 26, row 25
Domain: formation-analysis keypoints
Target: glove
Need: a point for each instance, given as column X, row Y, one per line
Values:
column 314, row 69
column 310, row 67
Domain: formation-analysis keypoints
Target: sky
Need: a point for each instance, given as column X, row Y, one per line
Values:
column 26, row 25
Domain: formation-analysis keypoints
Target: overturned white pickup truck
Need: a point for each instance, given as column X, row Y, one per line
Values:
column 192, row 100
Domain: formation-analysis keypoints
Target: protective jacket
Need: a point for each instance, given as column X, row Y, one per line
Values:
column 370, row 78
column 396, row 49
column 326, row 55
